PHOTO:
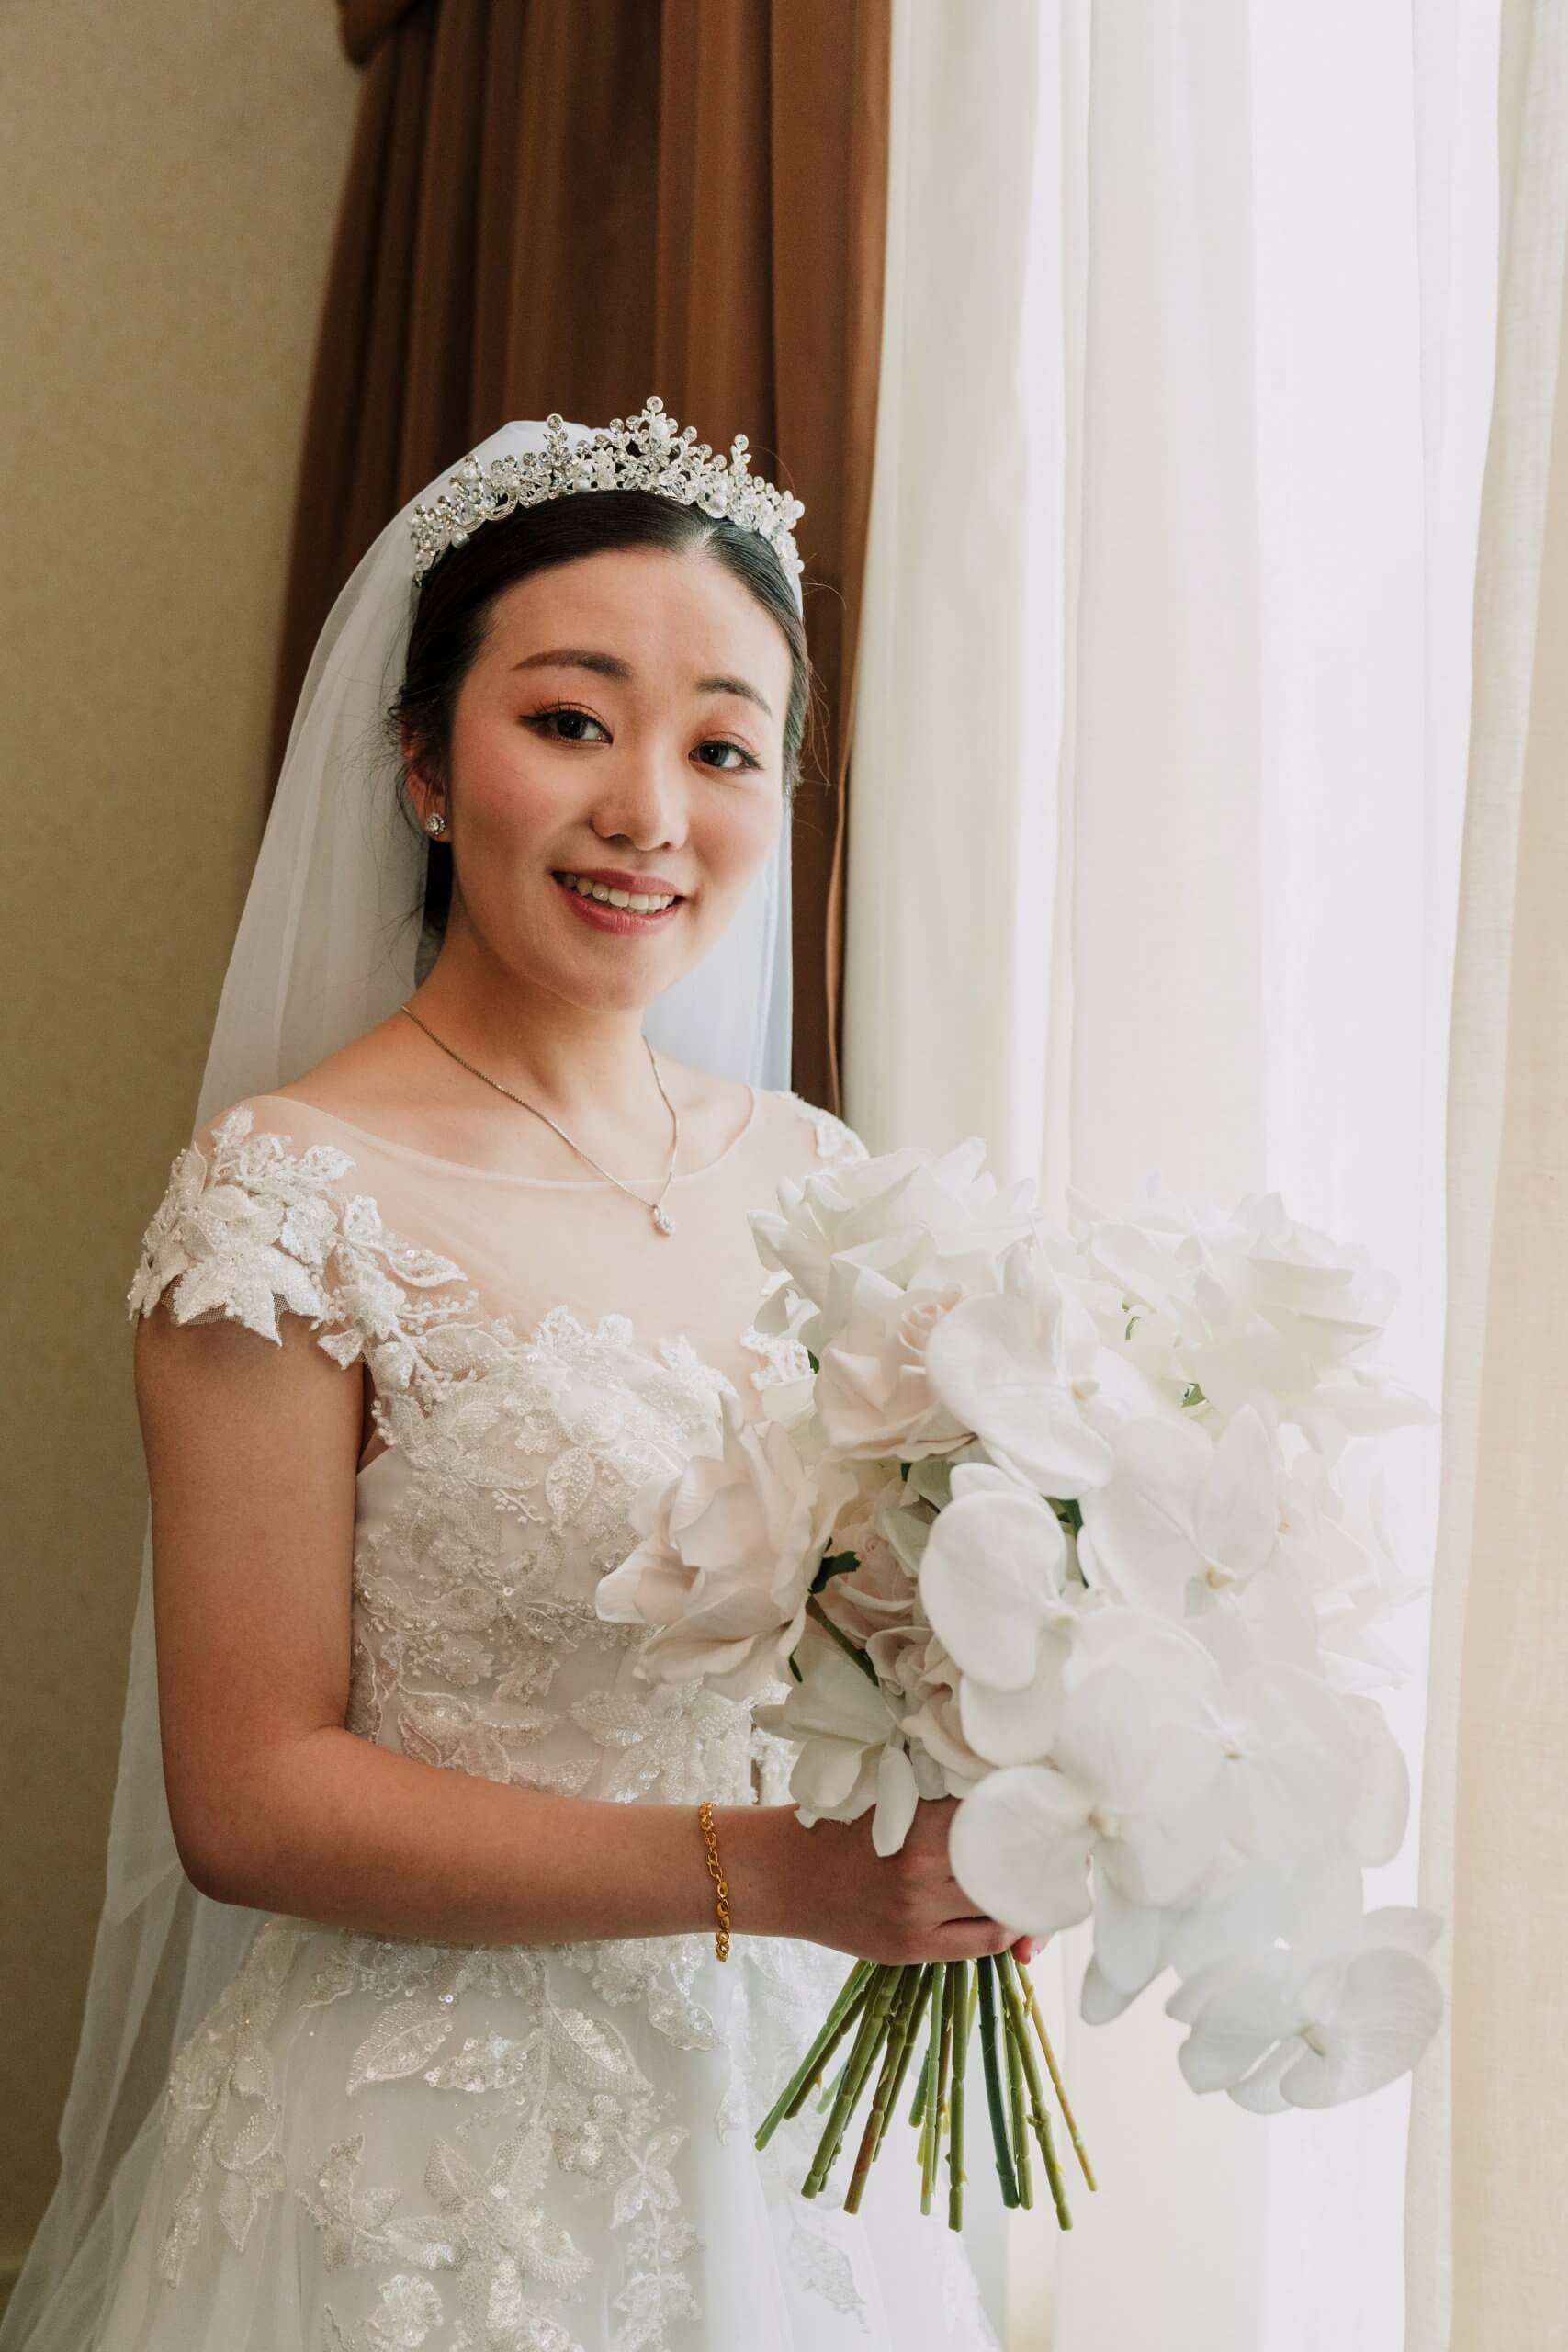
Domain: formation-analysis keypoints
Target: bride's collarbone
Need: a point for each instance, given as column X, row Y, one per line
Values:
column 525, row 1140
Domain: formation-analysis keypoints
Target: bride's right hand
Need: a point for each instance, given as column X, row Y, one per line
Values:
column 891, row 1907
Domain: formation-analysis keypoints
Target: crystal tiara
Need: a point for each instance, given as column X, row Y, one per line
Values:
column 641, row 452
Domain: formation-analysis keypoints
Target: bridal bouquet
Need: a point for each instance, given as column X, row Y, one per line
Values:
column 1079, row 1528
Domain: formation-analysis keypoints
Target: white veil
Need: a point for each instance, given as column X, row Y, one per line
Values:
column 327, row 944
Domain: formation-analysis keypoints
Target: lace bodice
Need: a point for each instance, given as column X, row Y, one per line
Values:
column 494, row 1496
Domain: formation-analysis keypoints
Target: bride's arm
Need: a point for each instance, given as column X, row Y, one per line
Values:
column 252, row 1453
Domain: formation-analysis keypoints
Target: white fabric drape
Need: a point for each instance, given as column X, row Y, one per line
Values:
column 1488, row 2170
column 1159, row 772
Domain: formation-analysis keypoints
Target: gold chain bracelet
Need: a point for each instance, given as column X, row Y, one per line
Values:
column 721, row 1884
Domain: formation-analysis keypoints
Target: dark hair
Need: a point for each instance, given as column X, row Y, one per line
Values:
column 456, row 596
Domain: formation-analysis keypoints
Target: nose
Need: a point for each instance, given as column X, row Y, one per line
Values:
column 643, row 801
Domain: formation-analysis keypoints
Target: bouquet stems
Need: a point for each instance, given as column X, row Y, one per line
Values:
column 873, row 2022
column 886, row 2013
column 901, row 2026
column 945, row 2058
column 962, row 2013
column 1056, row 2083
column 930, row 2118
column 985, row 1968
column 911, row 2042
column 1017, row 2031
column 850, row 2001
column 1019, row 2127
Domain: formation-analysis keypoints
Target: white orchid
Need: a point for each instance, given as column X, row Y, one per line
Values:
column 1025, row 1370
column 1239, row 1902
column 1315, row 2026
column 1256, row 1308
column 1182, row 1516
column 730, row 1545
column 1296, row 1758
column 1136, row 1781
column 993, row 1583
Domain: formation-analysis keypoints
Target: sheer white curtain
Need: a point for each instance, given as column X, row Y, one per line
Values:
column 1159, row 772
column 1488, row 2174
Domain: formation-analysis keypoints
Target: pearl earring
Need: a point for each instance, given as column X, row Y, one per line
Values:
column 436, row 822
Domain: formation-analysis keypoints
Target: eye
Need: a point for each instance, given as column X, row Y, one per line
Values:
column 544, row 721
column 723, row 743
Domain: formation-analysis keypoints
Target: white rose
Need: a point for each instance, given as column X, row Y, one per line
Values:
column 730, row 1546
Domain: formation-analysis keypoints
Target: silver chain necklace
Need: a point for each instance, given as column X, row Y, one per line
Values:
column 662, row 1223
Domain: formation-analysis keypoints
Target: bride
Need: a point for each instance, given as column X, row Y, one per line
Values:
column 446, row 1965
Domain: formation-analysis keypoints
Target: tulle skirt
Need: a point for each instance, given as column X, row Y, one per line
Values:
column 371, row 2143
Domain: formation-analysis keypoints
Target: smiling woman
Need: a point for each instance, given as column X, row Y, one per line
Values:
column 450, row 2049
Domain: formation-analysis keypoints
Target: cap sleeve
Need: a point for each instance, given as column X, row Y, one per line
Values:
column 837, row 1143
column 246, row 1227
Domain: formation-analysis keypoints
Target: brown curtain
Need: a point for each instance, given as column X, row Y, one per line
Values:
column 570, row 204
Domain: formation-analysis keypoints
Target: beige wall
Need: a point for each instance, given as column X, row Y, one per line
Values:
column 172, row 175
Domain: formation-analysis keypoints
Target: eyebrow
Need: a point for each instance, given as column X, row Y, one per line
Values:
column 610, row 665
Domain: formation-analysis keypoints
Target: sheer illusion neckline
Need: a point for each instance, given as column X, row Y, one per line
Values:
column 504, row 1175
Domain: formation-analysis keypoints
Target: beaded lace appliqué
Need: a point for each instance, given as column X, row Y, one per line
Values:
column 476, row 1646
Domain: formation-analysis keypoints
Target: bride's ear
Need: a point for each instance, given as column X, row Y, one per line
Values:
column 426, row 792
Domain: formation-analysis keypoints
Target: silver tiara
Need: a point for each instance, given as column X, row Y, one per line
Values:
column 641, row 452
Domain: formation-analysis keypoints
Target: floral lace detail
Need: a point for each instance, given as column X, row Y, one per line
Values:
column 835, row 1140
column 562, row 2093
column 221, row 2097
column 260, row 1228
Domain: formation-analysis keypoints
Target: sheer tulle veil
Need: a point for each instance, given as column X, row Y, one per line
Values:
column 327, row 944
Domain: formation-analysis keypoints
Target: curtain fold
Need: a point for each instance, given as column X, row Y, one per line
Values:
column 568, row 204
column 363, row 25
column 1488, row 2166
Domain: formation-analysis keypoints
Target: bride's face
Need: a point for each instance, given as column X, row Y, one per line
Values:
column 626, row 712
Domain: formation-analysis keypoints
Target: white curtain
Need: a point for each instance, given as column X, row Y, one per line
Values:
column 1488, row 2175
column 1158, row 784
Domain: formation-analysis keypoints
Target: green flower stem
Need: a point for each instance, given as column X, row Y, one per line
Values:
column 930, row 2121
column 905, row 2002
column 1057, row 2077
column 987, row 1998
column 911, row 2042
column 917, row 2105
column 831, row 2090
column 872, row 2026
column 944, row 2060
column 851, row 2000
column 815, row 1610
column 1018, row 2023
column 961, row 2014
column 1016, row 2119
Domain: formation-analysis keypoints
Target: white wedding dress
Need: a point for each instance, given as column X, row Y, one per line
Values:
column 372, row 2142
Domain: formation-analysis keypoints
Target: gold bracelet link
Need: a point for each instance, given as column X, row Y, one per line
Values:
column 721, row 1884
